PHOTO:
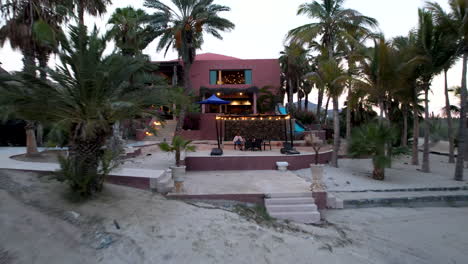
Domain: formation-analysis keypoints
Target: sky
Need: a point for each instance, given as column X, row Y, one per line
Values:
column 261, row 26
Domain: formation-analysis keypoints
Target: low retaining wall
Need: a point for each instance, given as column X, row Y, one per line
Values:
column 210, row 163
column 244, row 198
column 135, row 182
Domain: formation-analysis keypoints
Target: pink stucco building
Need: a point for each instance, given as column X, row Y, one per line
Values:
column 230, row 78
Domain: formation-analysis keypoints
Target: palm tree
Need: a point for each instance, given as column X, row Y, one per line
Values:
column 89, row 94
column 431, row 44
column 333, row 20
column 457, row 21
column 444, row 22
column 93, row 7
column 130, row 30
column 331, row 75
column 372, row 140
column 293, row 62
column 182, row 28
column 32, row 27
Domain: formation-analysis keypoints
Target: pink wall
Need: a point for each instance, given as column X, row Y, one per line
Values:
column 207, row 129
column 264, row 72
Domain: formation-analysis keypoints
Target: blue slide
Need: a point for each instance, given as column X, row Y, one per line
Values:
column 297, row 127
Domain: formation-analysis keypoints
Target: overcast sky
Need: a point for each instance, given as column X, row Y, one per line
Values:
column 261, row 26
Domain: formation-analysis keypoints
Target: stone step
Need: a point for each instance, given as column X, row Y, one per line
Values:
column 300, row 217
column 289, row 195
column 291, row 200
column 291, row 208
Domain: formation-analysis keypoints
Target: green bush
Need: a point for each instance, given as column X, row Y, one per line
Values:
column 305, row 117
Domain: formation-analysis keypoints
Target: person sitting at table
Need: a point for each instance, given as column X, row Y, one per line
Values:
column 238, row 141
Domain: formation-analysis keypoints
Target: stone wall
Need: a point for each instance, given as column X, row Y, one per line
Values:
column 264, row 129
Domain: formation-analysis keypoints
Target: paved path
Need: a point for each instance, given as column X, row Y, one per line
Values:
column 7, row 163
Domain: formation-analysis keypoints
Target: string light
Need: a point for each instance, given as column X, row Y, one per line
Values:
column 253, row 118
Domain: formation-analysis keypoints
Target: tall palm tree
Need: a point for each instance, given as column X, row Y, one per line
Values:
column 293, row 62
column 183, row 27
column 130, row 30
column 331, row 75
column 32, row 27
column 332, row 20
column 90, row 92
column 431, row 44
column 352, row 46
column 93, row 7
column 457, row 20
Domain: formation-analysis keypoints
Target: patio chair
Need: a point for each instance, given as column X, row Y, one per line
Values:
column 266, row 143
column 248, row 145
column 257, row 144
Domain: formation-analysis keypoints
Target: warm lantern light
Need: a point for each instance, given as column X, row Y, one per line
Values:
column 156, row 123
column 241, row 93
column 148, row 134
column 218, row 94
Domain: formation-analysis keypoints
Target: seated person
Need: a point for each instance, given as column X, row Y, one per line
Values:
column 238, row 141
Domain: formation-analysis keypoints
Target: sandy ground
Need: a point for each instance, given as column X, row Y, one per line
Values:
column 235, row 182
column 355, row 174
column 39, row 226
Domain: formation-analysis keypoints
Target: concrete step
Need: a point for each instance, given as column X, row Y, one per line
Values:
column 291, row 208
column 289, row 200
column 289, row 195
column 165, row 183
column 300, row 217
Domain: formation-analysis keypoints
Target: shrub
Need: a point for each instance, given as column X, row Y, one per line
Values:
column 305, row 117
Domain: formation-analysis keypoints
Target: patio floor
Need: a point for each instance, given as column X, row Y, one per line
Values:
column 243, row 182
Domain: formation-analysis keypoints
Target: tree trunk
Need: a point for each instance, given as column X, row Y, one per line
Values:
column 299, row 102
column 319, row 103
column 31, row 145
column 462, row 129
column 449, row 121
column 290, row 96
column 415, row 158
column 378, row 173
column 306, row 102
column 325, row 115
column 43, row 59
column 336, row 133
column 348, row 117
column 425, row 163
column 81, row 7
column 404, row 134
column 187, row 89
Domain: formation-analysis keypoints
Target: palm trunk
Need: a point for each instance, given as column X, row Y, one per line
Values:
column 306, row 102
column 404, row 134
column 43, row 58
column 31, row 145
column 378, row 173
column 449, row 121
column 425, row 163
column 187, row 89
column 319, row 103
column 336, row 133
column 290, row 96
column 81, row 7
column 325, row 115
column 415, row 158
column 462, row 129
column 299, row 101
column 348, row 117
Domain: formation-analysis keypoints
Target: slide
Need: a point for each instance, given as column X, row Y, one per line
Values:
column 297, row 127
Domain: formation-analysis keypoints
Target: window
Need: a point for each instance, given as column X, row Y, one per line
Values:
column 230, row 77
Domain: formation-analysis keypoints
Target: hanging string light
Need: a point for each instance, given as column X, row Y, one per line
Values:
column 253, row 117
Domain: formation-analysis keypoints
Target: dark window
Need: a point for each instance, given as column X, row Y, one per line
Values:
column 233, row 77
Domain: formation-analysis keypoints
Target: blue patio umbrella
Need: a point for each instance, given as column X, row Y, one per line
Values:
column 214, row 100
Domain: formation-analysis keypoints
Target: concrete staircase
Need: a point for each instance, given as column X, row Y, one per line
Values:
column 297, row 207
column 163, row 184
column 165, row 133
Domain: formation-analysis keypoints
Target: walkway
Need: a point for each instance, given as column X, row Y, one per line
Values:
column 7, row 163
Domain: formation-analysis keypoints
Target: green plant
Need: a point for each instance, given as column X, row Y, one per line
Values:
column 90, row 92
column 305, row 117
column 178, row 145
column 374, row 140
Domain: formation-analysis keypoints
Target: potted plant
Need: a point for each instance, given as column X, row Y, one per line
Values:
column 317, row 169
column 178, row 145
